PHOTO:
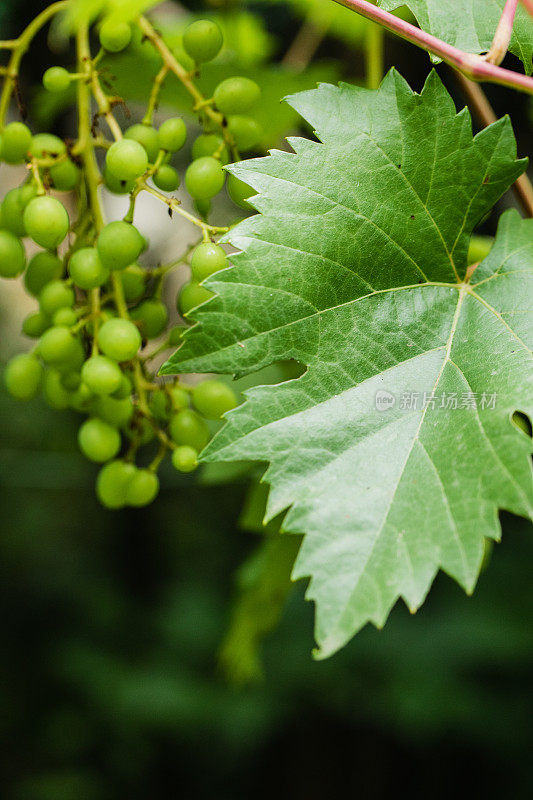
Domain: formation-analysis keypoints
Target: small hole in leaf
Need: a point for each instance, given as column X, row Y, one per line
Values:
column 523, row 422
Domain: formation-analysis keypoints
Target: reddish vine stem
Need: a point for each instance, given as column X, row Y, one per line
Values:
column 484, row 112
column 504, row 31
column 528, row 5
column 473, row 66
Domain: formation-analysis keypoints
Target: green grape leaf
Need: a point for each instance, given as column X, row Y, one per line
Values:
column 395, row 449
column 470, row 25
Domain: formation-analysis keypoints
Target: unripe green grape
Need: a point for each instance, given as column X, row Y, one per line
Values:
column 23, row 376
column 126, row 159
column 56, row 79
column 114, row 36
column 236, row 95
column 112, row 483
column 246, row 132
column 16, row 142
column 86, row 268
column 159, row 405
column 70, row 380
column 98, row 440
column 203, row 207
column 207, row 144
column 75, row 359
column 202, row 40
column 206, row 259
column 82, row 399
column 119, row 245
column 175, row 334
column 119, row 339
column 166, row 178
column 101, row 375
column 140, row 431
column 188, row 427
column 179, row 398
column 185, row 458
column 204, row 178
column 117, row 412
column 57, row 346
column 12, row 255
column 46, row 221
column 240, row 192
column 65, row 176
column 55, row 295
column 133, row 282
column 35, row 325
column 125, row 389
column 142, row 489
column 115, row 185
column 54, row 392
column 13, row 207
column 152, row 316
column 172, row 134
column 147, row 136
column 47, row 145
column 66, row 317
column 192, row 295
column 213, row 398
column 43, row 268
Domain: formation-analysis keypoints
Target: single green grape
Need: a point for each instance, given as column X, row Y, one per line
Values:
column 236, row 95
column 213, row 398
column 23, row 375
column 65, row 176
column 206, row 259
column 145, row 135
column 246, row 132
column 115, row 185
column 46, row 221
column 119, row 245
column 179, row 398
column 119, row 339
column 43, row 268
column 125, row 389
column 112, row 483
column 86, row 268
column 202, row 40
column 203, row 207
column 204, row 178
column 166, row 178
column 54, row 392
column 12, row 255
column 114, row 36
column 152, row 316
column 192, row 295
column 66, row 317
column 13, row 207
column 101, row 375
column 56, row 79
column 75, row 358
column 159, row 405
column 47, row 145
column 98, row 440
column 82, row 399
column 57, row 346
column 188, row 427
column 133, row 282
column 126, row 159
column 209, row 144
column 70, row 380
column 55, row 295
column 16, row 142
column 240, row 192
column 142, row 489
column 115, row 411
column 35, row 325
column 172, row 134
column 185, row 458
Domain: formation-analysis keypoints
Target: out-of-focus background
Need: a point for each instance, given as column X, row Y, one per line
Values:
column 111, row 680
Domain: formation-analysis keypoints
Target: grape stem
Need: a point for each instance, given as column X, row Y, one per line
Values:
column 473, row 66
column 502, row 37
column 154, row 94
column 175, row 205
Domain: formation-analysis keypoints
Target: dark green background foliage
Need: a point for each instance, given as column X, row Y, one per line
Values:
column 109, row 684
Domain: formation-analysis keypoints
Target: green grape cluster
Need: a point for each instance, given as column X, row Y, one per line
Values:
column 99, row 318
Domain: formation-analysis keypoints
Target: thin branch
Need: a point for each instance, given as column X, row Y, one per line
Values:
column 484, row 112
column 471, row 65
column 305, row 44
column 502, row 37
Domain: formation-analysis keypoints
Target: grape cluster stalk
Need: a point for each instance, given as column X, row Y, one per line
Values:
column 98, row 309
